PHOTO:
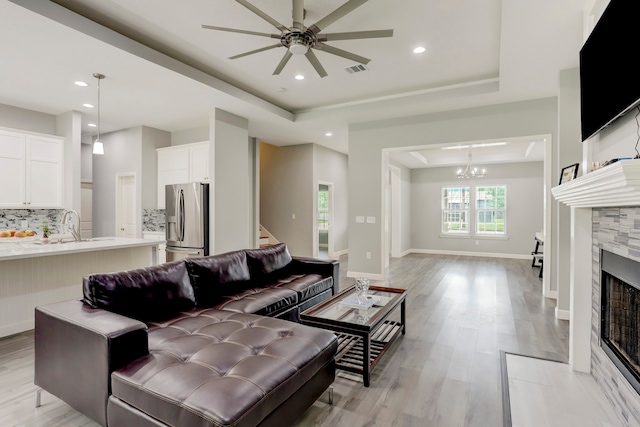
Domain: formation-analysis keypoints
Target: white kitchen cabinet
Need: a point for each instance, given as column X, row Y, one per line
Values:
column 31, row 170
column 199, row 162
column 162, row 247
column 181, row 164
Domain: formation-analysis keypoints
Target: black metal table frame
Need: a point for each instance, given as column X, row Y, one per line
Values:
column 355, row 342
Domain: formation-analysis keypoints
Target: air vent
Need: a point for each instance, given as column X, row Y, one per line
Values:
column 356, row 69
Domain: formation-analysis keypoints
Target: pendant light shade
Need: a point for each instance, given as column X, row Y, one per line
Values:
column 98, row 147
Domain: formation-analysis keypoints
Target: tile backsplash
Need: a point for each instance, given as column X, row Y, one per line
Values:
column 153, row 220
column 12, row 219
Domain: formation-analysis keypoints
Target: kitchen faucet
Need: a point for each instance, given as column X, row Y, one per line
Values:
column 75, row 228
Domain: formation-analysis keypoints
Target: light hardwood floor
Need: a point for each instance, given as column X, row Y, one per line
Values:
column 461, row 311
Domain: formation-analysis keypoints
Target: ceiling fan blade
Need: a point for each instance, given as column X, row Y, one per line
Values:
column 235, row 30
column 287, row 56
column 298, row 14
column 316, row 63
column 262, row 49
column 343, row 53
column 335, row 15
column 355, row 35
column 262, row 15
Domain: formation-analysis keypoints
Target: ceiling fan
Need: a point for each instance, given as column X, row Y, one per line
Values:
column 301, row 40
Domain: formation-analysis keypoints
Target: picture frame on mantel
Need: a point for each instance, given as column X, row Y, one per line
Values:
column 569, row 173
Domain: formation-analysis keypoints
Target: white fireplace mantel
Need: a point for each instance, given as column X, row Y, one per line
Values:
column 615, row 185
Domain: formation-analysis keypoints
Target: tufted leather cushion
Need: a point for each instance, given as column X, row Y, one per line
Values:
column 146, row 294
column 215, row 276
column 267, row 260
column 218, row 368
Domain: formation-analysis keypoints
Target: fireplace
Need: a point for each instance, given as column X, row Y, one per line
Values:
column 620, row 314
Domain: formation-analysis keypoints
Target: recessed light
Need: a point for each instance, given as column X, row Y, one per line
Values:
column 88, row 105
column 419, row 49
column 299, row 77
column 328, row 134
column 80, row 83
column 91, row 125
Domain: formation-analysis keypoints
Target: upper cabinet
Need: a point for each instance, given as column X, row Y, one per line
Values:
column 31, row 170
column 181, row 164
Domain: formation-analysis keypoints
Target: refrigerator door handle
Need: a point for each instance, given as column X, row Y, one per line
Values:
column 180, row 215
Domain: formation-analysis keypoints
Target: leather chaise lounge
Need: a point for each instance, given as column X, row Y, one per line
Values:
column 195, row 342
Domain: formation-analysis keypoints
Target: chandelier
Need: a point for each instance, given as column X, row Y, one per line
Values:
column 471, row 171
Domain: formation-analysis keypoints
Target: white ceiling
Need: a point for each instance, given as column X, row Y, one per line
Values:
column 478, row 53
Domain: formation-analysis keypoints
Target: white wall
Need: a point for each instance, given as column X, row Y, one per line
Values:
column 33, row 121
column 122, row 154
column 231, row 195
column 525, row 212
column 188, row 136
column 568, row 152
column 287, row 188
column 331, row 166
column 367, row 141
column 151, row 139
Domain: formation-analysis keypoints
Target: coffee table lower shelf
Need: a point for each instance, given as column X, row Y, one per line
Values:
column 350, row 354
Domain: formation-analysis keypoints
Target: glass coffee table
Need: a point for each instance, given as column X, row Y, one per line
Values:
column 363, row 334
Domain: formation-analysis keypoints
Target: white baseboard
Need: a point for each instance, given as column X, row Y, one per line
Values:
column 551, row 294
column 16, row 328
column 563, row 314
column 370, row 276
column 468, row 253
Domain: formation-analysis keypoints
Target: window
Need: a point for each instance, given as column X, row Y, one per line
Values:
column 455, row 210
column 491, row 210
column 484, row 215
column 323, row 209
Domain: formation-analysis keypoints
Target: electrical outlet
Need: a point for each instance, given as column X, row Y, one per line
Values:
column 368, row 255
column 24, row 224
column 477, row 242
column 293, row 216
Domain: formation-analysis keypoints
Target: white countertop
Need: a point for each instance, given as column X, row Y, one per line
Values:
column 15, row 249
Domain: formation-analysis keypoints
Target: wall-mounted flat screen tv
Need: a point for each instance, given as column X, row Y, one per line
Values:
column 609, row 77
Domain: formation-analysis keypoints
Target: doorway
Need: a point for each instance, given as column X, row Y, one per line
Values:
column 126, row 205
column 325, row 219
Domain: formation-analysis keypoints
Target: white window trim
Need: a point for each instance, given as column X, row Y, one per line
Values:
column 471, row 234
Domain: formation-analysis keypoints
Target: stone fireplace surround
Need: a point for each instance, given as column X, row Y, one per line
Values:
column 605, row 214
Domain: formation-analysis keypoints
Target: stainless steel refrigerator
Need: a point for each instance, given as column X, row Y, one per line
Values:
column 187, row 220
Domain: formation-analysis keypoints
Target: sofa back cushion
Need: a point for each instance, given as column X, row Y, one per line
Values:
column 146, row 294
column 267, row 260
column 216, row 276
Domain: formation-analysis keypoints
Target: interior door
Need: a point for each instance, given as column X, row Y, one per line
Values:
column 126, row 215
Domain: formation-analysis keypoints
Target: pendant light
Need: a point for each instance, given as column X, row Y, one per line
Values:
column 98, row 147
column 471, row 171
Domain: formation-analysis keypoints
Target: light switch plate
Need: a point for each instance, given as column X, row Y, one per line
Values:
column 360, row 219
column 371, row 220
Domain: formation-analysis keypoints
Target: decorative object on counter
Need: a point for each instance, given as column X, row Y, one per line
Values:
column 568, row 173
column 45, row 232
column 98, row 147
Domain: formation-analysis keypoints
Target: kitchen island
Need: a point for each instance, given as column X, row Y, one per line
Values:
column 32, row 274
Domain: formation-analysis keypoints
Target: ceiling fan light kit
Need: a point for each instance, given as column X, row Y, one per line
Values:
column 300, row 40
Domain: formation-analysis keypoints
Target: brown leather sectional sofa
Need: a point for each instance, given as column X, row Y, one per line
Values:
column 196, row 342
